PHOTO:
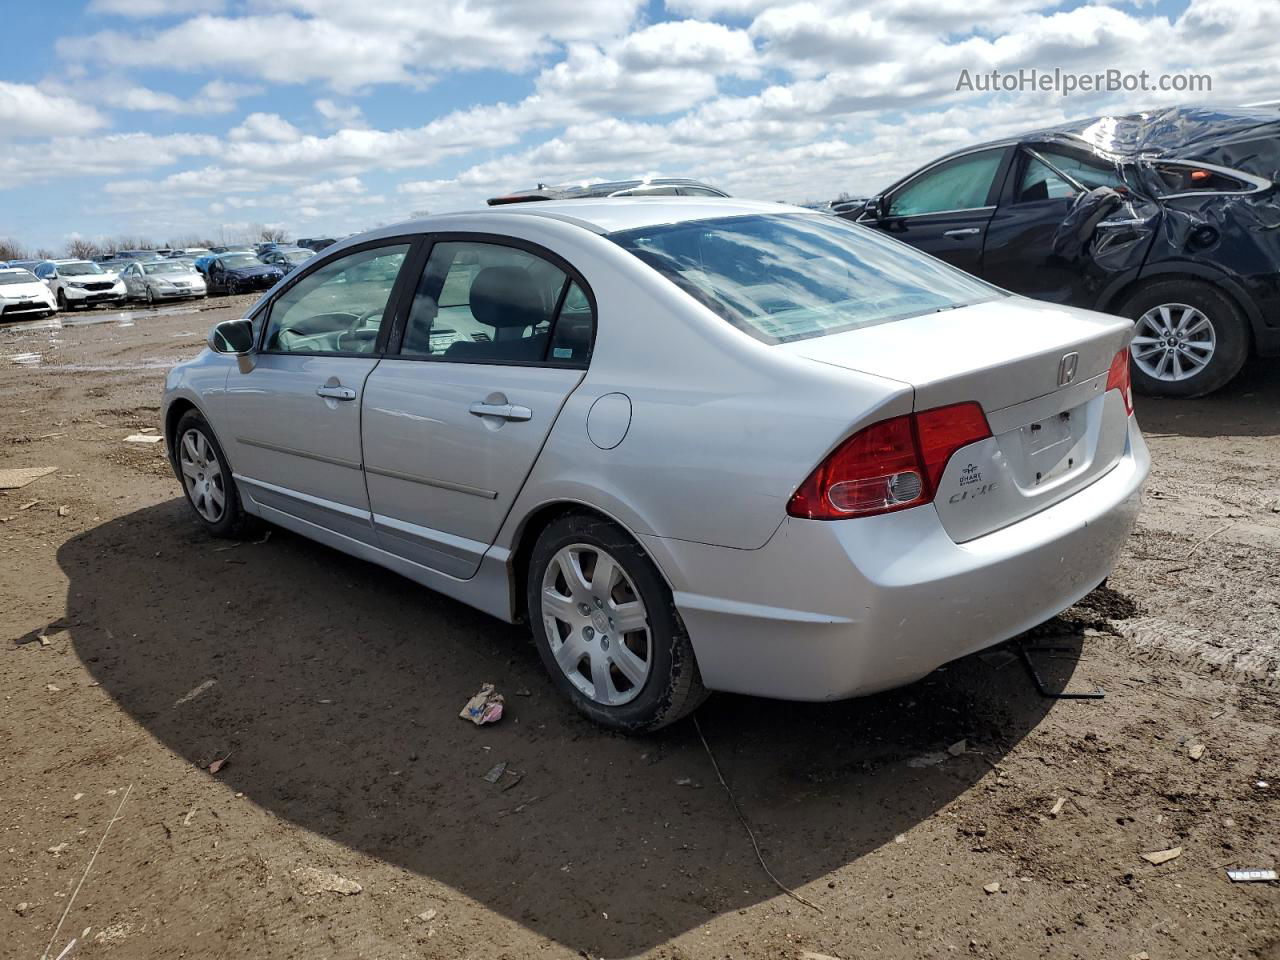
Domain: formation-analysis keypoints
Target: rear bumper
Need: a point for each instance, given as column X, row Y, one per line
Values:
column 827, row 610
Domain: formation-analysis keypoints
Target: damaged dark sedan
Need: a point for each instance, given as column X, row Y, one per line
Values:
column 1171, row 218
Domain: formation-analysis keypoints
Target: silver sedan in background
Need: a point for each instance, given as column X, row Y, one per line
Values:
column 695, row 444
column 155, row 280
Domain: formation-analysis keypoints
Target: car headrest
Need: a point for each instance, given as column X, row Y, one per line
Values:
column 503, row 297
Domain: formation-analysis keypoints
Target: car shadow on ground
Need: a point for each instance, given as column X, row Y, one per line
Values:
column 1249, row 406
column 337, row 691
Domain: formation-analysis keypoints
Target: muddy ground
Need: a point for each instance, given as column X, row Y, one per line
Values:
column 332, row 688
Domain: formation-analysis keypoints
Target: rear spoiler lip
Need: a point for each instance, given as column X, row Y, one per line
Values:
column 516, row 198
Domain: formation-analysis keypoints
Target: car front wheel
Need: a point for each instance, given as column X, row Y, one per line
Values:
column 1189, row 338
column 607, row 629
column 206, row 479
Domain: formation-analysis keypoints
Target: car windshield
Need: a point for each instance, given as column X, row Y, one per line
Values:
column 78, row 269
column 241, row 260
column 786, row 277
column 172, row 266
column 17, row 276
column 297, row 256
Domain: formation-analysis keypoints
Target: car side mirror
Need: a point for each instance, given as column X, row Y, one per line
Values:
column 234, row 337
column 877, row 208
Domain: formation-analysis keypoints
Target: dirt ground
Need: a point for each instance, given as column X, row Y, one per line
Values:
column 137, row 651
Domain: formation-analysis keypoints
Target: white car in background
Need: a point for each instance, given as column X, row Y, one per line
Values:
column 80, row 283
column 23, row 295
column 154, row 280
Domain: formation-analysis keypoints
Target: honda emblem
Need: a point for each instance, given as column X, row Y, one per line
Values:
column 1067, row 368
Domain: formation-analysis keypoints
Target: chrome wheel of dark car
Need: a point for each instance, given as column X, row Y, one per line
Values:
column 1173, row 341
column 1190, row 338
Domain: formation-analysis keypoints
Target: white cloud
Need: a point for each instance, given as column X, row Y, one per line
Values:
column 340, row 116
column 269, row 127
column 27, row 111
column 215, row 97
column 351, row 46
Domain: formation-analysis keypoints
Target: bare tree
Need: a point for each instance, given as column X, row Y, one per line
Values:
column 44, row 253
column 271, row 234
column 12, row 250
column 81, row 249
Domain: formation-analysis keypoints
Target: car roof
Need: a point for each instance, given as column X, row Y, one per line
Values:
column 601, row 215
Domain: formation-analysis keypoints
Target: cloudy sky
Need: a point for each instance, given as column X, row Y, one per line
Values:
column 171, row 118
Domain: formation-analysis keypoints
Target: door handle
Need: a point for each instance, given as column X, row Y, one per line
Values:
column 506, row 411
column 331, row 392
column 963, row 232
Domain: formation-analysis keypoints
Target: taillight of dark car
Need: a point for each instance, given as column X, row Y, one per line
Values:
column 891, row 465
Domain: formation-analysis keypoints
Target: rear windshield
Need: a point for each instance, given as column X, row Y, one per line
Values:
column 786, row 277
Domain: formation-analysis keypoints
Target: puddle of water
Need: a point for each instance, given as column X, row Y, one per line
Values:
column 90, row 318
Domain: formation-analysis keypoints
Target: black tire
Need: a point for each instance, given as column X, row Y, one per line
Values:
column 62, row 301
column 234, row 523
column 151, row 298
column 673, row 688
column 1230, row 331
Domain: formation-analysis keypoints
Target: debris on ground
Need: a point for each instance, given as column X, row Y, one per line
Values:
column 15, row 478
column 426, row 916
column 1195, row 751
column 64, row 511
column 218, row 764
column 57, row 849
column 484, row 707
column 191, row 695
column 1158, row 857
column 1253, row 875
column 992, row 887
column 957, row 748
column 22, row 908
column 495, row 772
column 143, row 438
column 810, row 955
column 312, row 881
column 928, row 759
column 53, row 688
column 1057, row 806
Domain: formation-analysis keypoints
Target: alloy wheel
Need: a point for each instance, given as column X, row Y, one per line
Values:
column 202, row 475
column 596, row 624
column 1173, row 341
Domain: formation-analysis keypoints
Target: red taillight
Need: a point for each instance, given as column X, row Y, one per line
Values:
column 890, row 465
column 1118, row 378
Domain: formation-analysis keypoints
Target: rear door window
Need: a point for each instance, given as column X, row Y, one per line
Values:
column 480, row 302
column 1053, row 180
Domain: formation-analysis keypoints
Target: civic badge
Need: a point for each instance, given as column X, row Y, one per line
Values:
column 1067, row 368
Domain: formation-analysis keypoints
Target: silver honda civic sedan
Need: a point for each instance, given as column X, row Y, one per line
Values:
column 695, row 444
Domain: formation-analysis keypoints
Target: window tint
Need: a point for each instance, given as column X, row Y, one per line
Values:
column 1040, row 182
column 337, row 308
column 960, row 184
column 487, row 303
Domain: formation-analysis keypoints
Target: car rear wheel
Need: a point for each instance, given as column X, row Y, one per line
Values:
column 1189, row 338
column 62, row 300
column 607, row 629
column 206, row 479
column 151, row 297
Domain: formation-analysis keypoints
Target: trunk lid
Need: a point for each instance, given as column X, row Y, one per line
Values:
column 1049, row 438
